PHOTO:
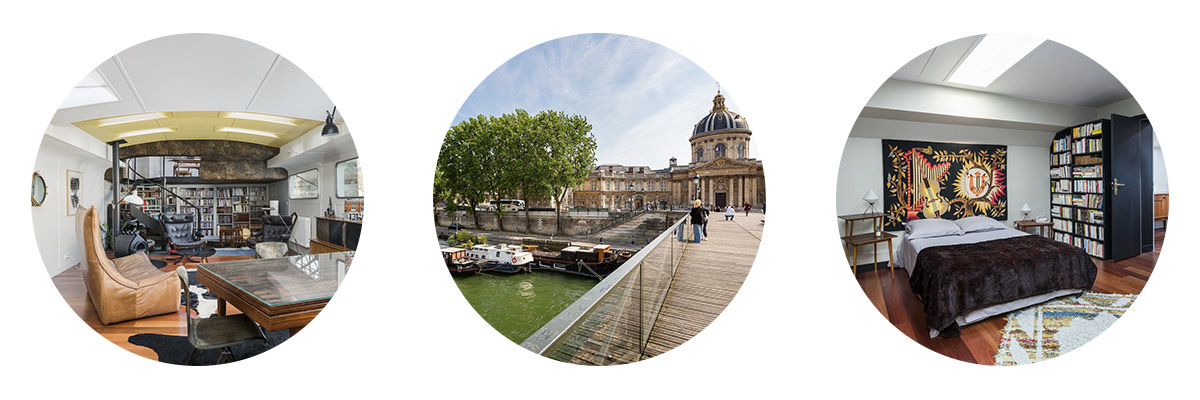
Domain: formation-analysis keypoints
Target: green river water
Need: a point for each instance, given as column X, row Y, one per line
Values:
column 518, row 304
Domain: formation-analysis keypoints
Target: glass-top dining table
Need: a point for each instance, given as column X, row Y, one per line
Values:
column 277, row 293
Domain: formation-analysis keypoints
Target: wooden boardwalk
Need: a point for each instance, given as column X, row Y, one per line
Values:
column 708, row 276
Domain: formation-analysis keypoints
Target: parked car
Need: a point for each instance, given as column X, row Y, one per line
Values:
column 456, row 226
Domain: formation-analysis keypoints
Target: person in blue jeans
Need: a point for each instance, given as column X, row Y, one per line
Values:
column 699, row 215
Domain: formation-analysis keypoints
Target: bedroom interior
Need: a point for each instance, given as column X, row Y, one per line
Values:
column 1034, row 193
column 237, row 198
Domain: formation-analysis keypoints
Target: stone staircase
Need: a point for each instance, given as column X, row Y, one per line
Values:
column 642, row 229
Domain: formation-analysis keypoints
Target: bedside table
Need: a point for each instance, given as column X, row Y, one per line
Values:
column 1026, row 225
column 869, row 238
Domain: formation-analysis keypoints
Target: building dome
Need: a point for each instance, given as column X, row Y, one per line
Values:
column 720, row 120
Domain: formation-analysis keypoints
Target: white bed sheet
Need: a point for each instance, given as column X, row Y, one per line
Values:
column 906, row 257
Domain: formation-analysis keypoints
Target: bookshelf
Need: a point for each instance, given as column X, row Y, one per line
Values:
column 1095, row 187
column 218, row 205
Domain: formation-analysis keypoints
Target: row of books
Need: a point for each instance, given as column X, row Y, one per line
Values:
column 1064, row 212
column 1086, row 130
column 1074, row 214
column 1088, row 186
column 1094, row 248
column 1087, row 146
column 1088, row 200
column 1060, row 172
column 1060, row 186
column 1060, row 145
column 1060, row 199
column 230, row 192
column 194, row 192
column 1090, row 171
column 1060, row 159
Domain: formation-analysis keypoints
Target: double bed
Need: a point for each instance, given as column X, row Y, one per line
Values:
column 966, row 277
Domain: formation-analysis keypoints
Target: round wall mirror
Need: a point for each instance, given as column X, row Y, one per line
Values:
column 39, row 190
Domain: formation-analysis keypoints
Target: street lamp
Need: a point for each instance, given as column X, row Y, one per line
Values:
column 630, row 196
column 696, row 181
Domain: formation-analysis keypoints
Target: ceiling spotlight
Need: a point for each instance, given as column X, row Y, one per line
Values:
column 330, row 129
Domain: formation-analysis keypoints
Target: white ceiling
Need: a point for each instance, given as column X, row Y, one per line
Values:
column 1051, row 73
column 203, row 72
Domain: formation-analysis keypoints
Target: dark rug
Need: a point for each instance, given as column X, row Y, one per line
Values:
column 175, row 349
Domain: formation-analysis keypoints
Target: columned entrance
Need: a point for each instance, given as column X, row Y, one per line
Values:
column 720, row 200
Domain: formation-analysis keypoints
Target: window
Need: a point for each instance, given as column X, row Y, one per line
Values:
column 303, row 185
column 741, row 150
column 349, row 178
column 663, row 186
column 719, row 151
column 699, row 154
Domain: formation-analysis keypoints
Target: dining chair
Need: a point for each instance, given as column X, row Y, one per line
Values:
column 217, row 332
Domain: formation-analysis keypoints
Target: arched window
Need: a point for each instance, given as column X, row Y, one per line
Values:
column 741, row 150
column 719, row 151
column 699, row 154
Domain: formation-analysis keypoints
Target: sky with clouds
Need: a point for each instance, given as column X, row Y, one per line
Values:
column 641, row 98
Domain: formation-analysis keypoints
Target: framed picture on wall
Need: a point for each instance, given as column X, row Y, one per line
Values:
column 74, row 188
column 943, row 180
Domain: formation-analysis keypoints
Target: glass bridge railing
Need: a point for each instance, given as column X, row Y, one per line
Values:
column 611, row 323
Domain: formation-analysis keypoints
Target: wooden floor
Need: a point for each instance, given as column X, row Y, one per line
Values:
column 980, row 341
column 708, row 277
column 70, row 286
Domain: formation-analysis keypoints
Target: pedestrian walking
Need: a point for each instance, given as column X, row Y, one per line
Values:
column 697, row 218
column 746, row 206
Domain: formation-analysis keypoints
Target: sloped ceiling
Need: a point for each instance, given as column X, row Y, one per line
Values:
column 1051, row 73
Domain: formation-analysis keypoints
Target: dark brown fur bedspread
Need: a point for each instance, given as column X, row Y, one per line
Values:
column 953, row 280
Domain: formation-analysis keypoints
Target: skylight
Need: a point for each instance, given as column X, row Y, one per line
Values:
column 992, row 57
column 93, row 89
column 248, row 131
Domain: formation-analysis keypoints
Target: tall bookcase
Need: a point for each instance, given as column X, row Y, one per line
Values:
column 1096, row 190
column 218, row 205
column 1078, row 205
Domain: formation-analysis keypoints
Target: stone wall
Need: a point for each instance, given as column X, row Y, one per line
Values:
column 539, row 223
column 221, row 161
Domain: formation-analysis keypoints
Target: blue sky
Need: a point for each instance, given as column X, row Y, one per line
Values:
column 641, row 98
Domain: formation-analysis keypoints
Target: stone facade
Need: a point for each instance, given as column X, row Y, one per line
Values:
column 221, row 161
column 726, row 174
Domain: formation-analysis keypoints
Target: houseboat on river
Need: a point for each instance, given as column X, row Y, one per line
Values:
column 501, row 258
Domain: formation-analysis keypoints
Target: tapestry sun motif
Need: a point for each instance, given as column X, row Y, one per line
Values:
column 943, row 180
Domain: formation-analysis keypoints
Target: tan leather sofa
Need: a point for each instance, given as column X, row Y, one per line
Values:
column 125, row 288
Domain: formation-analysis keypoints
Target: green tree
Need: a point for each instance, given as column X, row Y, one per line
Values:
column 572, row 154
column 463, row 164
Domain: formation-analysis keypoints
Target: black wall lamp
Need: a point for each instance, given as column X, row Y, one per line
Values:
column 330, row 129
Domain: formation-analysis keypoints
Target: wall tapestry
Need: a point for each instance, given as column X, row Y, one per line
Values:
column 943, row 180
column 74, row 181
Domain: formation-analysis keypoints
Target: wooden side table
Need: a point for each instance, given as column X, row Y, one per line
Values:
column 849, row 219
column 1026, row 225
column 869, row 238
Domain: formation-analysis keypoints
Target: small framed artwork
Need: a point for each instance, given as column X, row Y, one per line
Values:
column 74, row 188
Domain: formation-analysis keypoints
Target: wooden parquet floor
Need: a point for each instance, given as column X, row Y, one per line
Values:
column 979, row 341
column 70, row 286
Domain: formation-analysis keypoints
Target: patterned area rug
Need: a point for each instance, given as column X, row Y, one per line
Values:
column 204, row 302
column 1051, row 329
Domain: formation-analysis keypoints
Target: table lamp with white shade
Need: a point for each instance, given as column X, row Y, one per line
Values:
column 1025, row 209
column 871, row 198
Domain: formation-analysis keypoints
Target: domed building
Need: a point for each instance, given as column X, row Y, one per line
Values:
column 721, row 172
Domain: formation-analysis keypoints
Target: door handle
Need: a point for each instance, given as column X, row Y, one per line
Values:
column 1117, row 186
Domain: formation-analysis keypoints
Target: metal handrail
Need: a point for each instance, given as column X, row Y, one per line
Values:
column 556, row 329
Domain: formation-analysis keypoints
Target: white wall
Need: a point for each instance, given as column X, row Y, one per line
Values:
column 861, row 166
column 53, row 230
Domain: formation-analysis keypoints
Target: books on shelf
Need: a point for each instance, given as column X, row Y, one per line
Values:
column 1088, row 171
column 1088, row 200
column 1060, row 159
column 1087, row 186
column 1060, row 199
column 1085, row 130
column 1060, row 145
column 1060, row 186
column 1087, row 146
column 1060, row 172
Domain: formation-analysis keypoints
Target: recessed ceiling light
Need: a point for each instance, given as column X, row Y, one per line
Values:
column 125, row 119
column 992, row 57
column 144, row 132
column 260, row 117
column 248, row 131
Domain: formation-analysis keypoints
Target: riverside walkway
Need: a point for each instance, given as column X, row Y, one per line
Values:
column 676, row 290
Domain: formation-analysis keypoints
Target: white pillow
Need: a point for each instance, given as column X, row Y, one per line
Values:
column 979, row 223
column 931, row 227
